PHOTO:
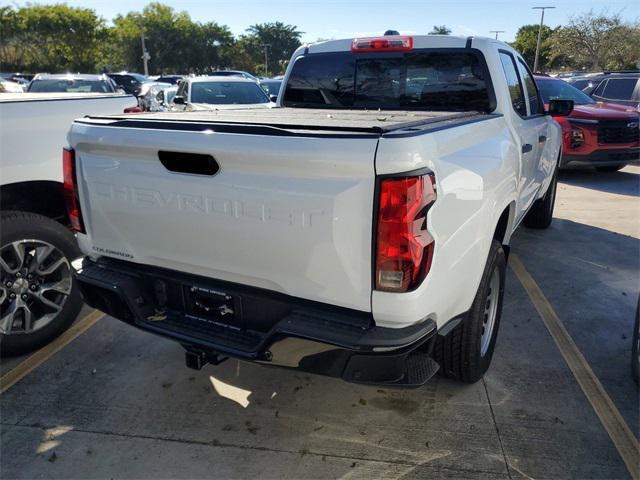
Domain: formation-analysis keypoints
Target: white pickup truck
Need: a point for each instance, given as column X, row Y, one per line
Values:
column 38, row 299
column 359, row 231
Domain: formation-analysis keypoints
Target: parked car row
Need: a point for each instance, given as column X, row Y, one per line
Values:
column 219, row 88
column 613, row 87
column 597, row 134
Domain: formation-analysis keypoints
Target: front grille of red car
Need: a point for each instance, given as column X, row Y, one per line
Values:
column 618, row 132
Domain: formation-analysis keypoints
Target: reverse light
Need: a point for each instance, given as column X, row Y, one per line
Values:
column 392, row 43
column 404, row 247
column 70, row 189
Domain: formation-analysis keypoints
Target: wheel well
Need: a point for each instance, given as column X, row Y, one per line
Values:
column 42, row 197
column 502, row 233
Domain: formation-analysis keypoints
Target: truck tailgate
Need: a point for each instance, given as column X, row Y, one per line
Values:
column 292, row 214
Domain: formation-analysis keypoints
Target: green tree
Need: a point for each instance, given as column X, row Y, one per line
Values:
column 11, row 46
column 624, row 50
column 51, row 38
column 279, row 39
column 440, row 30
column 175, row 43
column 597, row 41
column 526, row 41
column 213, row 47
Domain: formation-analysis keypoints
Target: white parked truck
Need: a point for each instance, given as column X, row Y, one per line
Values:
column 38, row 299
column 359, row 231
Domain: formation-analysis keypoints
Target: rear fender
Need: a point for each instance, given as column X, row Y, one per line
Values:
column 476, row 168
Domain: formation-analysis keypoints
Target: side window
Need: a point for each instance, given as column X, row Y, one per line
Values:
column 620, row 88
column 513, row 82
column 532, row 90
column 599, row 89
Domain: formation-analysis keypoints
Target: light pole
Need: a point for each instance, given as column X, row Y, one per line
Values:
column 535, row 62
column 145, row 55
column 496, row 32
column 266, row 58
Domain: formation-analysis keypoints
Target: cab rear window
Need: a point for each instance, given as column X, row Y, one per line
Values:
column 455, row 80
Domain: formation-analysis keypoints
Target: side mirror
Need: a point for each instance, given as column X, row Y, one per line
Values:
column 179, row 100
column 560, row 108
column 273, row 98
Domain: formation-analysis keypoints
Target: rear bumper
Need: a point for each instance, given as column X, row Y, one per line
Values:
column 601, row 158
column 267, row 327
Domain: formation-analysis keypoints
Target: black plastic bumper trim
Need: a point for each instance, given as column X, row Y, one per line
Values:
column 618, row 156
column 330, row 338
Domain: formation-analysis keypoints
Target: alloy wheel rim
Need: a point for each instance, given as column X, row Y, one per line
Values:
column 490, row 312
column 35, row 283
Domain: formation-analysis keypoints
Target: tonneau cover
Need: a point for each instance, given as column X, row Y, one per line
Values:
column 373, row 121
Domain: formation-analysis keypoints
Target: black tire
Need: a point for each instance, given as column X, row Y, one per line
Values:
column 541, row 213
column 459, row 352
column 635, row 347
column 610, row 168
column 16, row 226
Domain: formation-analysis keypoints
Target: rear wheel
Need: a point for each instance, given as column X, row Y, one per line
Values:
column 541, row 213
column 610, row 168
column 38, row 296
column 465, row 353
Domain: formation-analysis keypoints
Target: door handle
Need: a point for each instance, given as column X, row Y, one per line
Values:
column 527, row 147
column 542, row 139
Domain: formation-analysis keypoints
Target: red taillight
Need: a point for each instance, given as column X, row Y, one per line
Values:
column 392, row 43
column 70, row 187
column 135, row 109
column 404, row 247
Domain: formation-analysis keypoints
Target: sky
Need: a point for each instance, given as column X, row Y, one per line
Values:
column 345, row 19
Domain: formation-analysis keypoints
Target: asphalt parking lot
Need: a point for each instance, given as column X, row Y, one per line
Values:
column 119, row 403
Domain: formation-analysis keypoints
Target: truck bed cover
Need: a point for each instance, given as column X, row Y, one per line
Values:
column 359, row 121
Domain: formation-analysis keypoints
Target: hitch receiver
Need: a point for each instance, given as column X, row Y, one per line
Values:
column 195, row 360
column 198, row 359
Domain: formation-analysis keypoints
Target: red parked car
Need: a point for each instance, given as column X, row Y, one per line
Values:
column 596, row 134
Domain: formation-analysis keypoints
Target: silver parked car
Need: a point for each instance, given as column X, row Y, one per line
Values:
column 211, row 93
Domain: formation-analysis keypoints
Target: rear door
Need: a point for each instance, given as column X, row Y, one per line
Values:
column 524, row 130
column 292, row 214
column 537, row 121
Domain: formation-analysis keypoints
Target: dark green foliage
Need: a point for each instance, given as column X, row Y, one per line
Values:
column 58, row 38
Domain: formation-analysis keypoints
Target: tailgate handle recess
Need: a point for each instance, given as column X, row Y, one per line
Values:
column 193, row 163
